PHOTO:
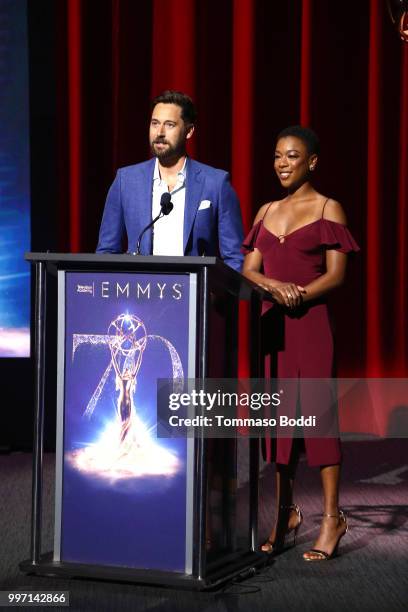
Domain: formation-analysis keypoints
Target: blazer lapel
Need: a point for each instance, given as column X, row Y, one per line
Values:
column 144, row 206
column 194, row 188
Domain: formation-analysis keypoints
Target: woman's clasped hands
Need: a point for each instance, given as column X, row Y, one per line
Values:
column 285, row 294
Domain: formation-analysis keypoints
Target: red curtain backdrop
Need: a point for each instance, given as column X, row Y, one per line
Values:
column 253, row 68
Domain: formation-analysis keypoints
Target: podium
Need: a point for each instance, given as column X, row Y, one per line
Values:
column 130, row 506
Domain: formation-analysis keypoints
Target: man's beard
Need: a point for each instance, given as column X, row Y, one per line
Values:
column 169, row 153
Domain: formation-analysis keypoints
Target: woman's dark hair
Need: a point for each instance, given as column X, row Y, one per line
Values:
column 188, row 112
column 308, row 136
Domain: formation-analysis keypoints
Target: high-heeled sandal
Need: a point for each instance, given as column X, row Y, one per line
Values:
column 278, row 543
column 322, row 555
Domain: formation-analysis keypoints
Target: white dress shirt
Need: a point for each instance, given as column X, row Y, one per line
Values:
column 168, row 231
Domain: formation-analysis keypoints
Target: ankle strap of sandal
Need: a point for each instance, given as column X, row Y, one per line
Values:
column 340, row 515
column 294, row 507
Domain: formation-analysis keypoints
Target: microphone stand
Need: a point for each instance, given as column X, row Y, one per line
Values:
column 166, row 208
column 145, row 230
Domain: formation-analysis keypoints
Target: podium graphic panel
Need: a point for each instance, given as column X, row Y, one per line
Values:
column 123, row 496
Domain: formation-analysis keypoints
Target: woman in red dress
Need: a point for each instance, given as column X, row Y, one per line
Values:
column 297, row 251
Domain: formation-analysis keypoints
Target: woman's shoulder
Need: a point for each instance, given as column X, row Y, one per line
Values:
column 263, row 210
column 333, row 211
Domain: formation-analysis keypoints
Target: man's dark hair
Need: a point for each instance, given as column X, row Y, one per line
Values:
column 308, row 136
column 188, row 112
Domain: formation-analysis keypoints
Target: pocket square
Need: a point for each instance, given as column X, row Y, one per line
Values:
column 204, row 204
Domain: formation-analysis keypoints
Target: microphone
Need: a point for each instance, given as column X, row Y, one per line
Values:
column 166, row 206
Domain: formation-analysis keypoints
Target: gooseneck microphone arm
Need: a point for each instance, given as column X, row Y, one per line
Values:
column 145, row 230
column 166, row 206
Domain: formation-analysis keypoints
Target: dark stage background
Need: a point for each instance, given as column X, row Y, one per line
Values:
column 253, row 68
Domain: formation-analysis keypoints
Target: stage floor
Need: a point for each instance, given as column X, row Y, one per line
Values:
column 369, row 574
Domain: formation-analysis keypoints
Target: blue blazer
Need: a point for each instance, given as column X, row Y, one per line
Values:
column 214, row 230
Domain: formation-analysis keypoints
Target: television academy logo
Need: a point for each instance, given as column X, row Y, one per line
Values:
column 86, row 289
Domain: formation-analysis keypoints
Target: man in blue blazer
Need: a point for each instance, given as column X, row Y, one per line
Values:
column 206, row 217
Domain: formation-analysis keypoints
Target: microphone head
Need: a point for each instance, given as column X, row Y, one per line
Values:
column 167, row 208
column 165, row 204
column 165, row 199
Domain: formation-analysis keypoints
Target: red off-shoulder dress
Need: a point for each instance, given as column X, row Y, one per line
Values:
column 299, row 344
